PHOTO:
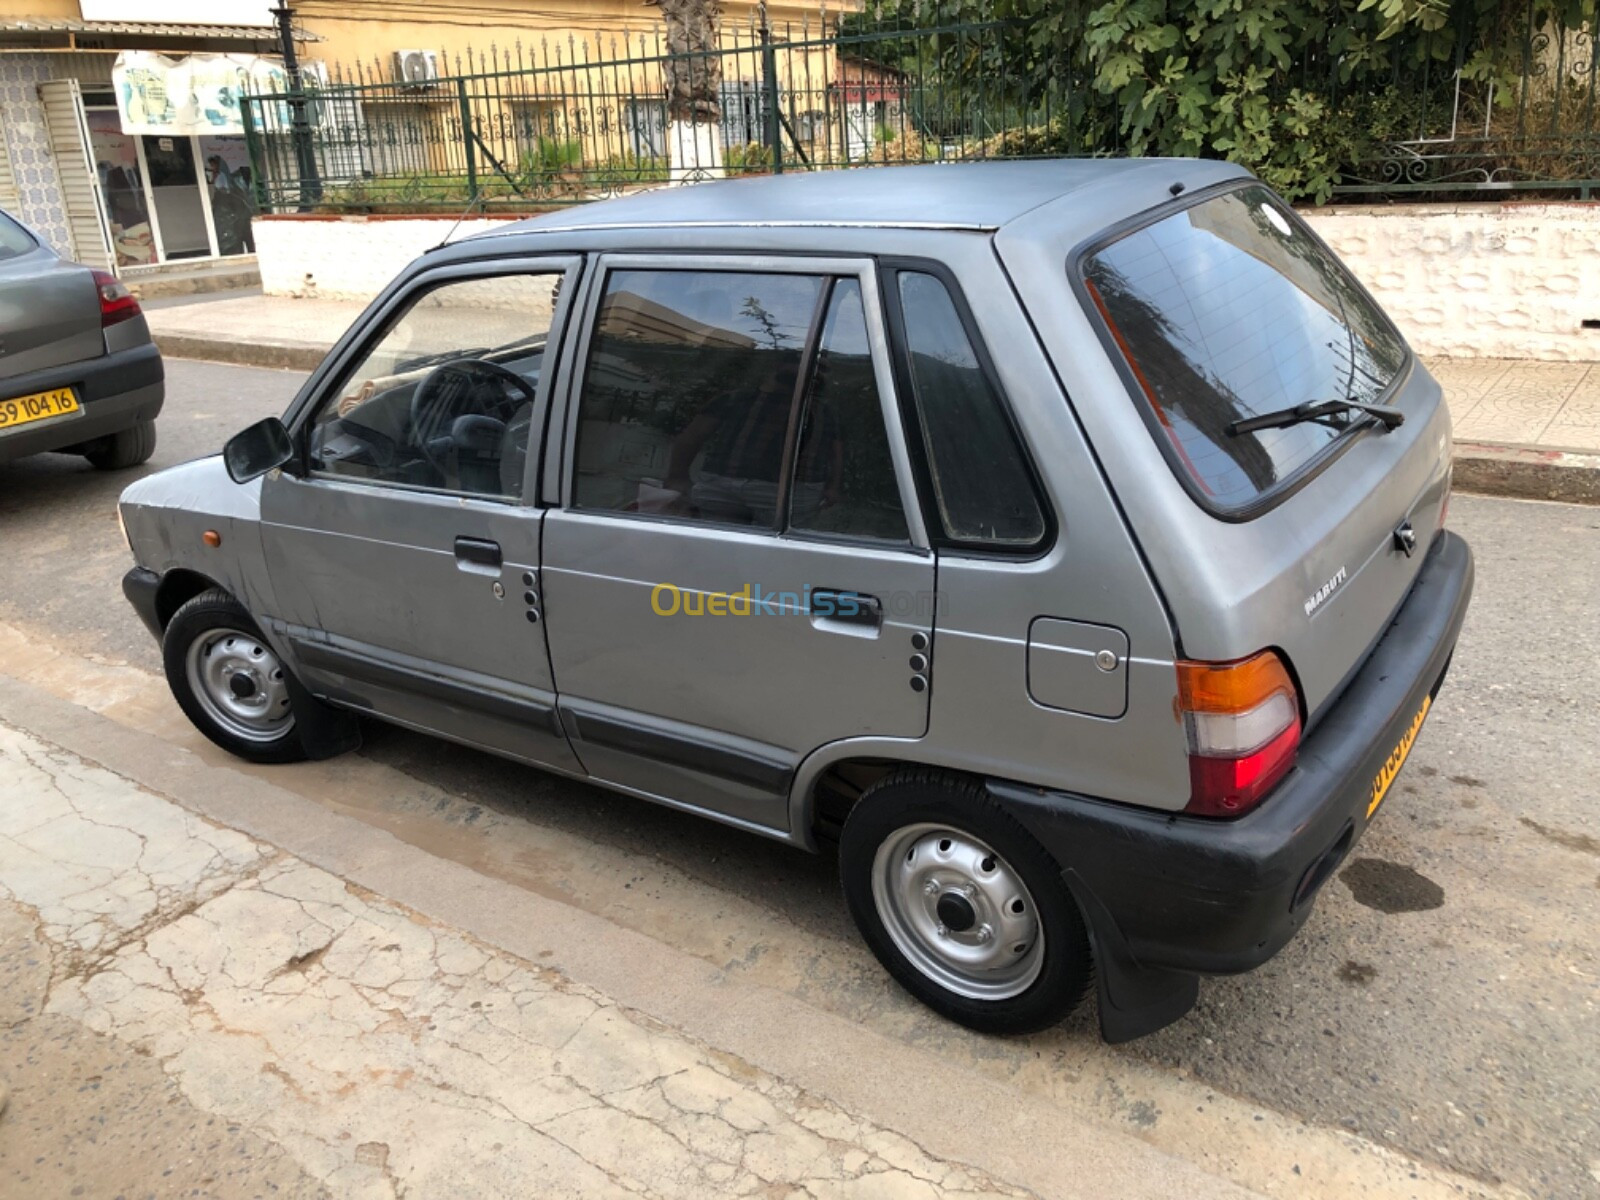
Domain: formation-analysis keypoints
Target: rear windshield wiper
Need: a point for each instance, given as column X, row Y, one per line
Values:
column 1315, row 412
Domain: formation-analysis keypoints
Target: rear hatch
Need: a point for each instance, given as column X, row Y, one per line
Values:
column 49, row 309
column 1231, row 309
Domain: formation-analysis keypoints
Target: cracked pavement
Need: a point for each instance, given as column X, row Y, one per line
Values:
column 369, row 1052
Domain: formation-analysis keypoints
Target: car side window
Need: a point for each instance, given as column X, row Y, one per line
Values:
column 688, row 394
column 445, row 398
column 982, row 484
column 844, row 480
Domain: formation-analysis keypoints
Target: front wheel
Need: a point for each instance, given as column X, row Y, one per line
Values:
column 228, row 681
column 961, row 905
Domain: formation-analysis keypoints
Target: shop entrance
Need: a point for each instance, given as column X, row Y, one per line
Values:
column 170, row 197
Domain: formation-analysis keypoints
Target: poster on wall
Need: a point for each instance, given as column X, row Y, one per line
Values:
column 198, row 93
column 116, row 161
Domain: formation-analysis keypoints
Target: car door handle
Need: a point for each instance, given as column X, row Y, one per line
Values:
column 844, row 607
column 477, row 554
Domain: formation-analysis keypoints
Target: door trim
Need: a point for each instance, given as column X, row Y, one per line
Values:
column 768, row 769
column 527, row 709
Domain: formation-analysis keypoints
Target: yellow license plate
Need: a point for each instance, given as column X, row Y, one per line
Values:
column 40, row 406
column 1397, row 758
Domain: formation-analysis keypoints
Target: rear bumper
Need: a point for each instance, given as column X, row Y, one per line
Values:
column 116, row 390
column 1195, row 896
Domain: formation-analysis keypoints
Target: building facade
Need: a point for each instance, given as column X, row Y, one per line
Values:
column 114, row 144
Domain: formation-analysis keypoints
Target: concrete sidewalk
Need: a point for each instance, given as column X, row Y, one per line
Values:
column 1522, row 428
column 354, row 1048
column 212, row 985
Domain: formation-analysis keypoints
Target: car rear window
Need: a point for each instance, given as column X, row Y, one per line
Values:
column 14, row 239
column 1230, row 309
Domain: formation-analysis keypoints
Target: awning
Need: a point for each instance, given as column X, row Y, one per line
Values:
column 66, row 30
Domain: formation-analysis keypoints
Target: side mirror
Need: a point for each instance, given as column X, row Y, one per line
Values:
column 251, row 453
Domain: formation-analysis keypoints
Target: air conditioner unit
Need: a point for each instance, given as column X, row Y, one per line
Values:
column 416, row 68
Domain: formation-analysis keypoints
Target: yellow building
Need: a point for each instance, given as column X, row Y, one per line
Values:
column 549, row 93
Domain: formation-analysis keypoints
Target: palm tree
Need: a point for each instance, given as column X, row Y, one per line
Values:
column 693, row 85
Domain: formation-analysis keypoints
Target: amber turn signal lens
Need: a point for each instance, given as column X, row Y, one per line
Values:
column 1231, row 687
column 211, row 538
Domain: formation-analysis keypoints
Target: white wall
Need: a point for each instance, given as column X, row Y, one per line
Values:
column 348, row 258
column 1481, row 280
column 1478, row 280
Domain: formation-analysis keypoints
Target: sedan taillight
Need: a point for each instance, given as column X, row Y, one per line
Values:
column 117, row 303
column 1242, row 720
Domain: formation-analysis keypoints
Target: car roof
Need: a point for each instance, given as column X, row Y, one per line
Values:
column 969, row 196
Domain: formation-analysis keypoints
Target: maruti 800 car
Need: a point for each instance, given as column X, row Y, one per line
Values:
column 1063, row 541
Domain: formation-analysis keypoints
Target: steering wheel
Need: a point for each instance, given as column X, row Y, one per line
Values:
column 437, row 408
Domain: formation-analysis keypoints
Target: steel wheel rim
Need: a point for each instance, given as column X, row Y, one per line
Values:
column 923, row 876
column 240, row 684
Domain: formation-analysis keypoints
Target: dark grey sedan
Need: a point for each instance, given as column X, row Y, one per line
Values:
column 78, row 371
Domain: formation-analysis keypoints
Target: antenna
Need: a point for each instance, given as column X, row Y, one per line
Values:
column 471, row 204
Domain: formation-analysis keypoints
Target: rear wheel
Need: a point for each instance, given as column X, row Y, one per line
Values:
column 228, row 681
column 126, row 448
column 961, row 905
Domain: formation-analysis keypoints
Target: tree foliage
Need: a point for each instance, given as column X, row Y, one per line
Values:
column 1292, row 89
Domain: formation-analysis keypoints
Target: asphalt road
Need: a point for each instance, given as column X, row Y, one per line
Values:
column 1444, row 1000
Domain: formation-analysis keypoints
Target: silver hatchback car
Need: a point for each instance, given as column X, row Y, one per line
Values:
column 1063, row 541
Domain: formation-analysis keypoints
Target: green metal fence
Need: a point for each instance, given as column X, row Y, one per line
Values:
column 531, row 126
column 1478, row 117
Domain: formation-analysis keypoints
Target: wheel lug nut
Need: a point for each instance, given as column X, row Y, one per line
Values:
column 931, row 887
column 969, row 891
column 985, row 933
column 941, row 931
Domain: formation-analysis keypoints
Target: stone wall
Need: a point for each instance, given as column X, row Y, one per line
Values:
column 1469, row 281
column 1478, row 280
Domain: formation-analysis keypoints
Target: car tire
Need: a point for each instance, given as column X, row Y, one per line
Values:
column 962, row 905
column 229, row 682
column 125, row 448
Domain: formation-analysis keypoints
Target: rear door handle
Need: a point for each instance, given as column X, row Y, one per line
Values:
column 477, row 554
column 844, row 607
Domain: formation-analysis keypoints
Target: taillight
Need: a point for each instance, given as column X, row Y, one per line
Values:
column 117, row 303
column 1243, row 723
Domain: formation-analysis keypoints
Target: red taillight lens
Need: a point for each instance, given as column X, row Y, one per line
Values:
column 117, row 303
column 1242, row 720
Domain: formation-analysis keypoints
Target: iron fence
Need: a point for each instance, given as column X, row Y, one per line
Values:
column 1471, row 115
column 577, row 120
column 535, row 125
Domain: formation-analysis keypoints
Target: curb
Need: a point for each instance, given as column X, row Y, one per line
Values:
column 1527, row 472
column 286, row 356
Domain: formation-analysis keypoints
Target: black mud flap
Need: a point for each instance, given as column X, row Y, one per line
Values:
column 1134, row 1000
column 325, row 731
